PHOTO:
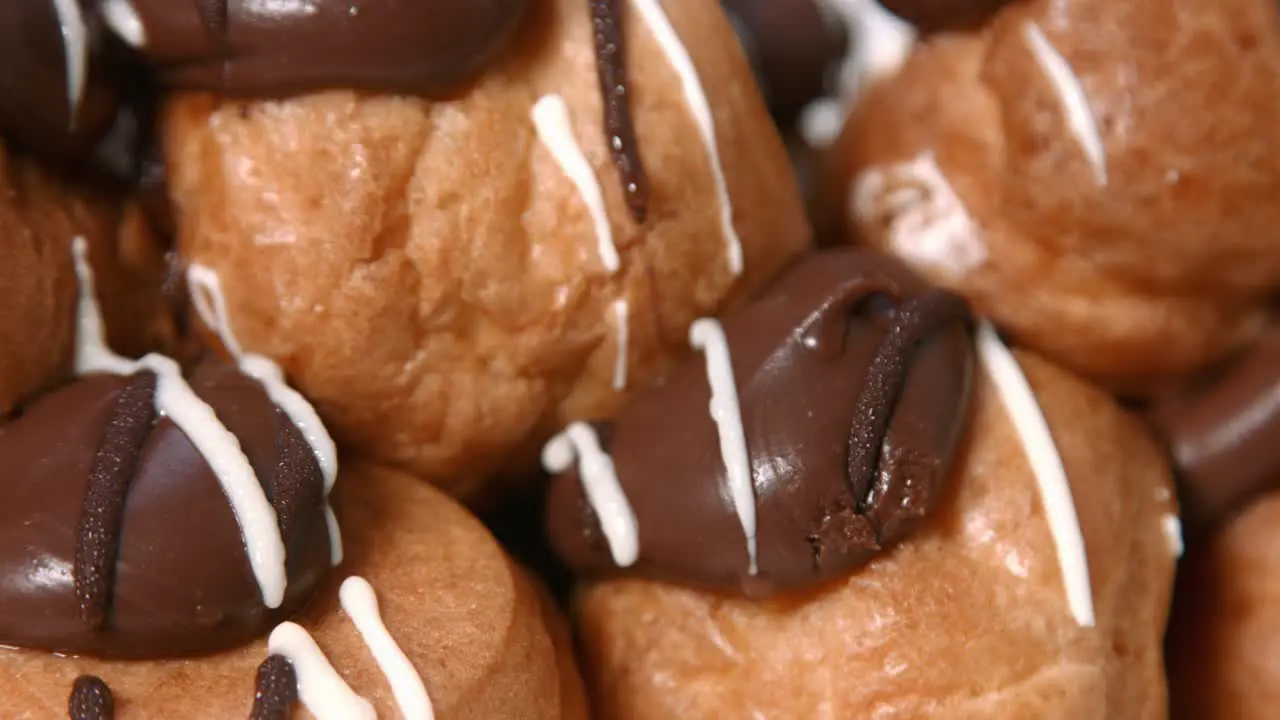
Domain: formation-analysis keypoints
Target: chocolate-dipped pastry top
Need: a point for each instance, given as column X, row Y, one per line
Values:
column 58, row 93
column 239, row 47
column 816, row 428
column 1224, row 437
column 793, row 46
column 938, row 15
column 147, row 514
column 116, row 537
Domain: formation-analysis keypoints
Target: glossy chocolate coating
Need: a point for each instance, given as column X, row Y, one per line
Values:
column 1224, row 438
column 182, row 584
column 246, row 48
column 792, row 46
column 937, row 15
column 35, row 109
column 807, row 356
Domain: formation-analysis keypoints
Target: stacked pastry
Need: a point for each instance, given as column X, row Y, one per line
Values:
column 298, row 287
column 1029, row 156
column 445, row 226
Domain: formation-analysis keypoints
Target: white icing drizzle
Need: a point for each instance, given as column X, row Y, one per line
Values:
column 621, row 311
column 1046, row 465
column 217, row 445
column 696, row 98
column 75, row 47
column 335, row 534
column 1074, row 99
column 361, row 605
column 601, row 486
column 221, row 450
column 879, row 43
column 91, row 351
column 210, row 304
column 708, row 336
column 124, row 21
column 925, row 221
column 1172, row 527
column 320, row 688
column 555, row 130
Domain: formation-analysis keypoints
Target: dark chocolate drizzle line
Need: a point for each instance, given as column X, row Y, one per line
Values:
column 296, row 488
column 98, row 539
column 90, row 700
column 915, row 320
column 611, row 69
column 214, row 15
column 275, row 690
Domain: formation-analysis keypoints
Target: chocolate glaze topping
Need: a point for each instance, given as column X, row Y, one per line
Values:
column 1224, row 437
column 90, row 699
column 936, row 15
column 845, row 339
column 242, row 48
column 117, row 539
column 793, row 48
column 427, row 47
column 611, row 67
column 275, row 690
column 40, row 108
column 875, row 460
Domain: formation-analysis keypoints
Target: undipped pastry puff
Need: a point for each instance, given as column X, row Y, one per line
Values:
column 1040, row 165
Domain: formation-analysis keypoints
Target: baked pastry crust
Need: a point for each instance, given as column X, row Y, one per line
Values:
column 1052, row 166
column 967, row 618
column 429, row 275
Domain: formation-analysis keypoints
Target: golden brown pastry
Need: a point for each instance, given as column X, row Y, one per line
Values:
column 818, row 523
column 40, row 214
column 438, row 276
column 1042, row 166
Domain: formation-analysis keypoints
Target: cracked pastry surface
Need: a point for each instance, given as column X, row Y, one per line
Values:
column 471, row 278
column 1039, row 166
